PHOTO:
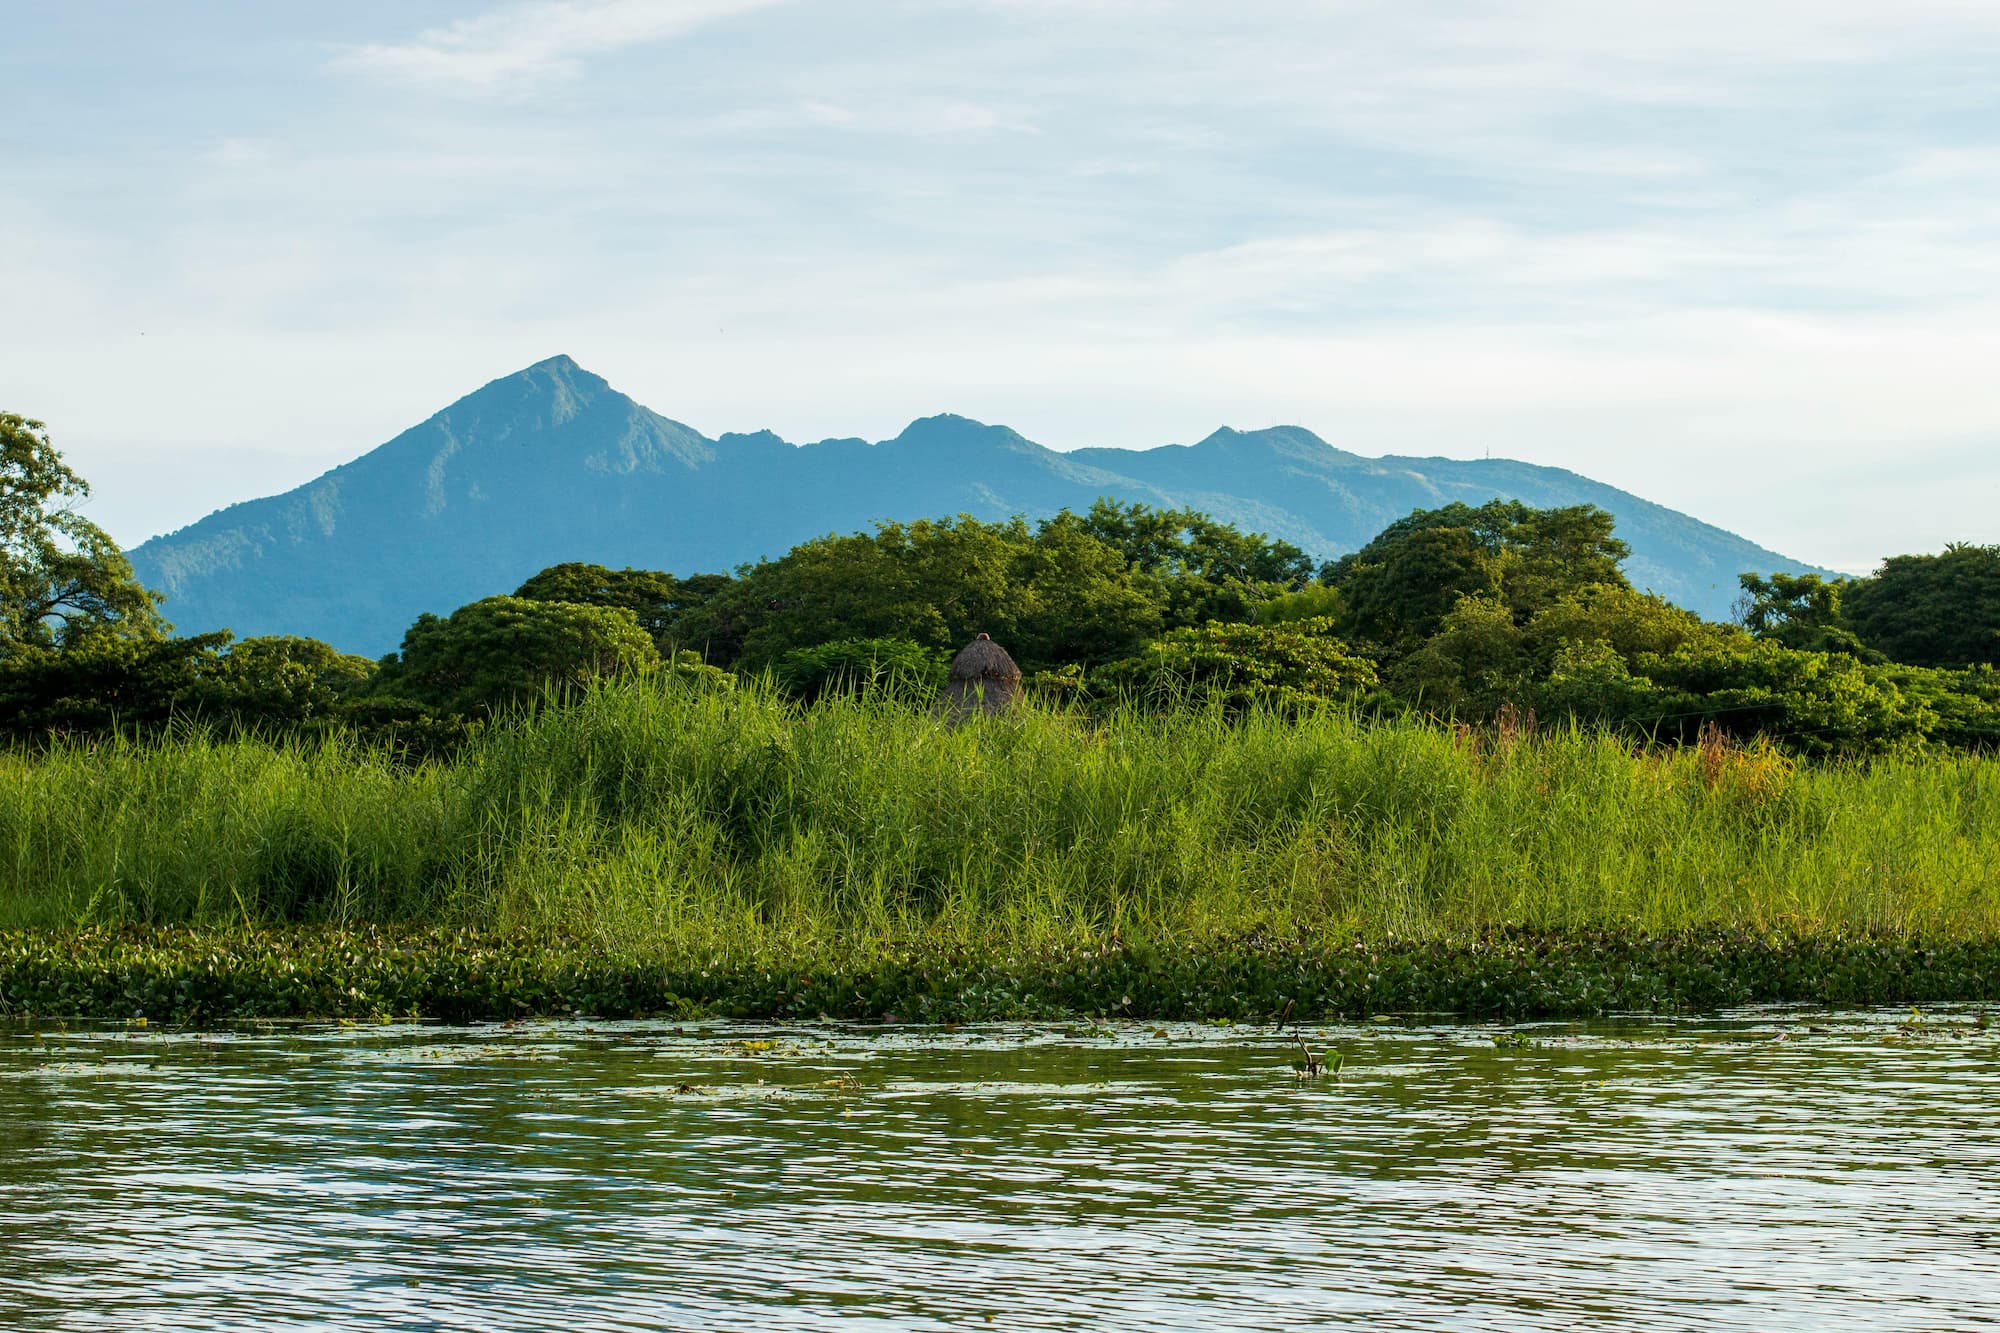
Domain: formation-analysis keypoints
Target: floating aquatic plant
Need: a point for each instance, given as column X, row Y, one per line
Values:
column 1309, row 1066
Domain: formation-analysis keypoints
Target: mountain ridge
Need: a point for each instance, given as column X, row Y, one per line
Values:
column 551, row 463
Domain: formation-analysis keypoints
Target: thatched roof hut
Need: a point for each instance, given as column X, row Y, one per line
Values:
column 983, row 678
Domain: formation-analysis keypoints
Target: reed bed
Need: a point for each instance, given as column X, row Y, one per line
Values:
column 657, row 819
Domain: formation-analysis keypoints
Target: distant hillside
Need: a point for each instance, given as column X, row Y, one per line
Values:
column 553, row 464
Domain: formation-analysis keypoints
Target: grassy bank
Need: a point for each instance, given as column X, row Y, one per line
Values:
column 653, row 823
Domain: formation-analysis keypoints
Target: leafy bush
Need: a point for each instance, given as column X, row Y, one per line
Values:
column 1931, row 610
column 1404, row 582
column 655, row 599
column 505, row 651
column 1315, row 601
column 1240, row 666
column 104, row 683
column 862, row 666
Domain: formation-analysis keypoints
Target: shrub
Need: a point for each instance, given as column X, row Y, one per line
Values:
column 861, row 666
column 1241, row 666
column 504, row 651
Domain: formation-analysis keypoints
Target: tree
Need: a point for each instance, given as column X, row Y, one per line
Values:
column 1402, row 584
column 105, row 681
column 1401, row 597
column 1052, row 594
column 1575, row 657
column 1587, row 655
column 1202, row 570
column 1186, row 541
column 1476, row 662
column 1547, row 554
column 1965, row 703
column 62, row 579
column 1798, row 611
column 505, row 651
column 932, row 583
column 1315, row 601
column 655, row 599
column 1932, row 610
column 1817, row 703
column 1288, row 666
column 1082, row 604
column 1629, row 622
column 280, row 679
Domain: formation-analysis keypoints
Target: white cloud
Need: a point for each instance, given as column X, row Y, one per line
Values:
column 1722, row 254
column 912, row 116
column 243, row 153
column 526, row 43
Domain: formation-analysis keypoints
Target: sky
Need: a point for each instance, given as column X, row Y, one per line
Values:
column 1741, row 258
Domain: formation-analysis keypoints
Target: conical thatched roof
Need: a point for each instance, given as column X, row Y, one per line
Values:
column 983, row 659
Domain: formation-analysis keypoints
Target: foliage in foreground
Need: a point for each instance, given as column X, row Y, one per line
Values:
column 178, row 974
column 660, row 814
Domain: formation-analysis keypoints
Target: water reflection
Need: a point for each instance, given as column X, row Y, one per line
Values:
column 1743, row 1173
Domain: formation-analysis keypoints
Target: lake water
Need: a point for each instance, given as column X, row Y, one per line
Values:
column 1758, row 1171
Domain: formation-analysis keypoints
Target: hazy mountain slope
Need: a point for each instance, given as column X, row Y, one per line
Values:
column 552, row 464
column 479, row 495
column 1289, row 481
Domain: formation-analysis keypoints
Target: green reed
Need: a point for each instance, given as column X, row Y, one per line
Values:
column 657, row 817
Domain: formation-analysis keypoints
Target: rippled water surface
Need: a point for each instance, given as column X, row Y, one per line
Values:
column 1760, row 1171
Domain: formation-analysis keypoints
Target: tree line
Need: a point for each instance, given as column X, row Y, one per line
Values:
column 1462, row 612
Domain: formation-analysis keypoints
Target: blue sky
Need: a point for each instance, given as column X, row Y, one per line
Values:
column 1742, row 258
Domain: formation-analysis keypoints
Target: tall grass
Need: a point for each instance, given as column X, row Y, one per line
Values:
column 653, row 815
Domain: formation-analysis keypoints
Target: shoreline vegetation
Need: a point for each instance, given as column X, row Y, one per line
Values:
column 1244, row 783
column 225, row 975
column 668, row 845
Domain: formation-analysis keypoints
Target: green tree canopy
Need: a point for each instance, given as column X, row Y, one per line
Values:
column 1315, row 601
column 107, row 681
column 1402, row 595
column 503, row 651
column 1616, row 657
column 62, row 579
column 1186, row 541
column 1402, row 584
column 1476, row 661
column 1573, row 657
column 1051, row 594
column 1798, row 611
column 655, row 599
column 1548, row 554
column 1200, row 569
column 1931, row 610
column 104, row 682
column 281, row 678
column 1287, row 666
column 1811, row 701
column 1627, row 621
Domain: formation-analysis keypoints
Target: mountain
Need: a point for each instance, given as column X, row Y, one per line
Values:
column 553, row 464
